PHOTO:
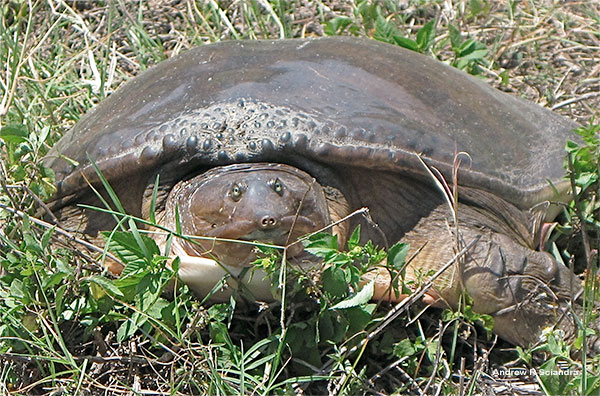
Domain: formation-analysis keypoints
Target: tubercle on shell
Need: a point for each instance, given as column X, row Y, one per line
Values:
column 236, row 131
column 245, row 131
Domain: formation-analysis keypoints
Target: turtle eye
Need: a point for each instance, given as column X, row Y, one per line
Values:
column 277, row 186
column 236, row 192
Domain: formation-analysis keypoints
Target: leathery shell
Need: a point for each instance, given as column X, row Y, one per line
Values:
column 342, row 101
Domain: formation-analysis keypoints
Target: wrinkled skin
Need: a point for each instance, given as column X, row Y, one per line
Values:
column 271, row 203
column 524, row 290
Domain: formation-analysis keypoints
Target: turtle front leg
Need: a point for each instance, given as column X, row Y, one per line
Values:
column 524, row 290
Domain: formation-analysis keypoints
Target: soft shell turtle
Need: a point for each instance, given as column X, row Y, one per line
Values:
column 252, row 139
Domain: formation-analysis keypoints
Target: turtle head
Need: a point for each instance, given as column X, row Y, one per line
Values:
column 269, row 203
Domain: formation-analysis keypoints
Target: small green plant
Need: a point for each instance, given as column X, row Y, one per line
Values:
column 468, row 54
column 22, row 149
column 561, row 374
column 585, row 159
column 387, row 32
column 363, row 18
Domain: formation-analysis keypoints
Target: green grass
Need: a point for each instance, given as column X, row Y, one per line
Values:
column 68, row 326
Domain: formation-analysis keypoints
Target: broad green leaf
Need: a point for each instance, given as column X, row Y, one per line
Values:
column 406, row 43
column 129, row 327
column 53, row 280
column 336, row 25
column 47, row 236
column 322, row 245
column 127, row 247
column 404, row 348
column 397, row 255
column 477, row 54
column 14, row 134
column 156, row 309
column 332, row 325
column 360, row 298
column 359, row 317
column 354, row 239
column 106, row 284
column 334, row 282
column 455, row 38
column 425, row 36
column 553, row 383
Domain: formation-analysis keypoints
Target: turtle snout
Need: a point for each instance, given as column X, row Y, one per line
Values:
column 268, row 222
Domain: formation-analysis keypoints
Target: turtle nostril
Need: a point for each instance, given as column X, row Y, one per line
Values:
column 268, row 222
